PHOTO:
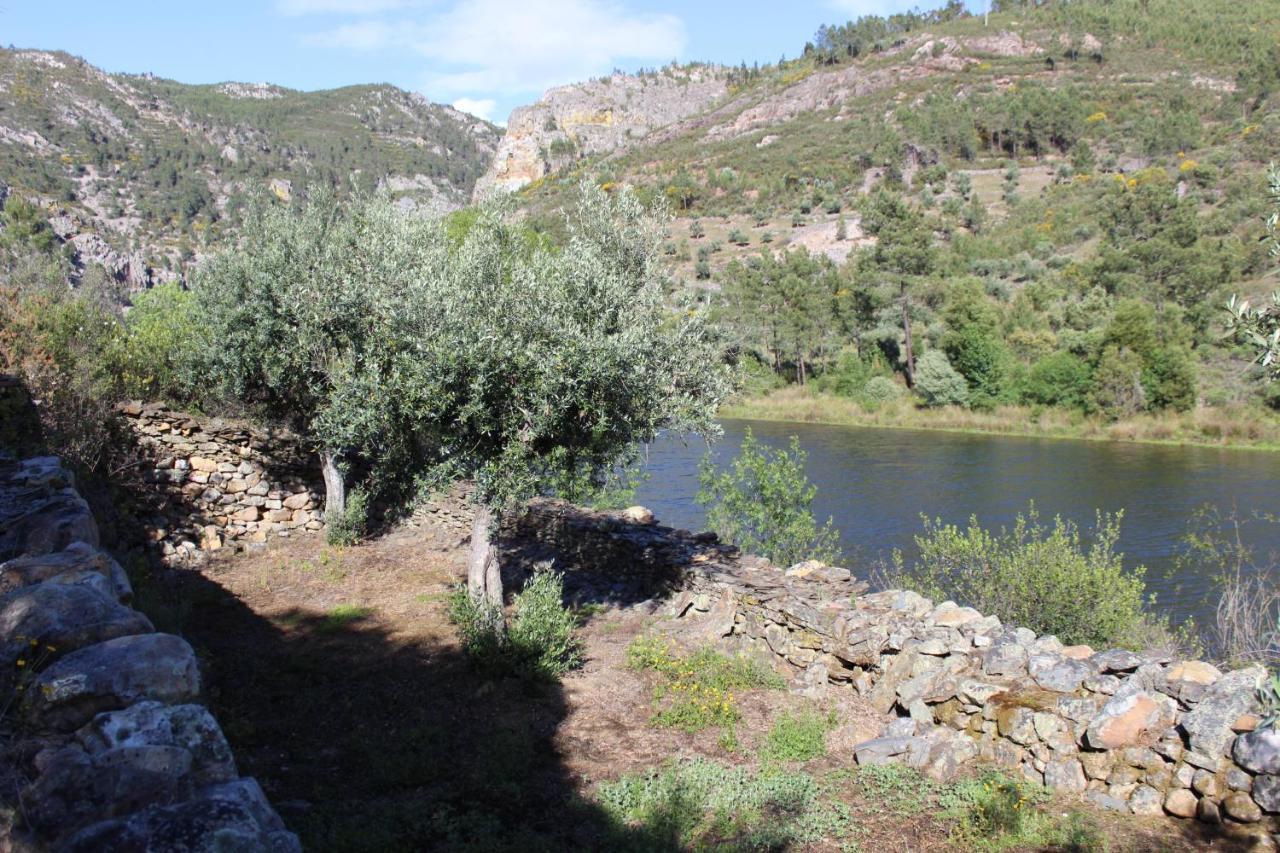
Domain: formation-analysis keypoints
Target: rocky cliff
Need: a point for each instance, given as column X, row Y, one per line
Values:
column 597, row 117
column 139, row 174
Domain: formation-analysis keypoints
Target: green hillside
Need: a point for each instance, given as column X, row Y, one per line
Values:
column 1088, row 178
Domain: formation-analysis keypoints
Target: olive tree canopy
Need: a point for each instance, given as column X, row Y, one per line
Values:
column 490, row 355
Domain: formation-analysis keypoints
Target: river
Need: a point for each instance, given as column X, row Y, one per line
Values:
column 876, row 483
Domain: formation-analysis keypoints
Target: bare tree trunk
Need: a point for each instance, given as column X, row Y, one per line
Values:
column 484, row 575
column 335, row 488
column 906, row 334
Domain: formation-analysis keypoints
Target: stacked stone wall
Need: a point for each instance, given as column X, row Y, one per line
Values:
column 1140, row 733
column 106, row 743
column 224, row 483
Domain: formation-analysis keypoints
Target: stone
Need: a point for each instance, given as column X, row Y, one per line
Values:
column 1077, row 652
column 200, row 463
column 188, row 727
column 1146, row 800
column 1106, row 801
column 1238, row 780
column 882, row 750
column 76, row 557
column 1194, row 671
column 298, row 501
column 1180, row 803
column 978, row 692
column 1097, row 765
column 249, row 513
column 1246, row 723
column 1066, row 774
column 1239, row 806
column 41, row 522
column 1115, row 660
column 1057, row 673
column 1124, row 721
column 231, row 817
column 1208, row 723
column 954, row 617
column 1205, row 784
column 1005, row 657
column 112, row 675
column 901, row 727
column 1266, row 793
column 41, row 623
column 885, row 693
column 1016, row 724
column 1207, row 811
column 1258, row 751
column 633, row 514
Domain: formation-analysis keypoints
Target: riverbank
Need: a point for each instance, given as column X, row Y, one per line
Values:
column 1208, row 427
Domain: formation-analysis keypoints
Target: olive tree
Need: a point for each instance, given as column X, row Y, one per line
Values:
column 476, row 352
column 1259, row 327
column 558, row 360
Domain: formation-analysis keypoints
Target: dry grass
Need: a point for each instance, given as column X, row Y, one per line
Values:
column 1242, row 428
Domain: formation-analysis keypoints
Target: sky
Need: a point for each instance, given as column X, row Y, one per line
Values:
column 482, row 56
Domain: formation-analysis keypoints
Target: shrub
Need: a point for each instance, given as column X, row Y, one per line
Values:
column 938, row 383
column 763, row 504
column 1042, row 577
column 352, row 525
column 540, row 643
column 1060, row 379
column 881, row 389
column 152, row 358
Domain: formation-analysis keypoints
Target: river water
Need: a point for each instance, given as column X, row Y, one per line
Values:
column 875, row 484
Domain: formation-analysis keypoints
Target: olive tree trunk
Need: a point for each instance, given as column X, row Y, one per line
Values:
column 335, row 488
column 484, row 575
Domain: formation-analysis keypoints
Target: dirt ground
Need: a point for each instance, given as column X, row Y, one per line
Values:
column 341, row 686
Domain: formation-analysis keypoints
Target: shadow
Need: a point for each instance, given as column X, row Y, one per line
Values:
column 367, row 742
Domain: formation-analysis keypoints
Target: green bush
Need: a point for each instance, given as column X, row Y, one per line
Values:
column 152, row 358
column 938, row 383
column 881, row 389
column 1043, row 577
column 541, row 642
column 763, row 504
column 796, row 737
column 352, row 526
column 1059, row 379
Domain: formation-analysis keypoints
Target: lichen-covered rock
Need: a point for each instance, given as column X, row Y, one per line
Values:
column 1258, row 751
column 219, row 821
column 189, row 727
column 49, row 620
column 112, row 675
column 1124, row 721
column 1266, row 793
column 1065, row 774
column 1058, row 673
column 76, row 558
column 1146, row 800
column 1208, row 723
column 1240, row 806
column 1116, row 660
column 40, row 513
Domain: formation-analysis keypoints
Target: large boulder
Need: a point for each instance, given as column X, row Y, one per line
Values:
column 1127, row 720
column 41, row 623
column 230, row 818
column 77, row 558
column 1258, row 751
column 1208, row 724
column 188, row 727
column 110, row 676
column 40, row 511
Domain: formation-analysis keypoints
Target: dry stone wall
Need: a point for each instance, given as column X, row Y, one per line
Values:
column 1134, row 733
column 106, row 745
column 224, row 483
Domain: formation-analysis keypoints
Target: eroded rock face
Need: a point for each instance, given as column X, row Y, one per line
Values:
column 187, row 727
column 1208, row 724
column 110, row 676
column 596, row 117
column 76, row 558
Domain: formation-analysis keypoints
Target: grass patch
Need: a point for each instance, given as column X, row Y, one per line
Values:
column 797, row 737
column 696, row 691
column 343, row 615
column 702, row 805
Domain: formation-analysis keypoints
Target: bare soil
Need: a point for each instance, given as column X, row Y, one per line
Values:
column 341, row 685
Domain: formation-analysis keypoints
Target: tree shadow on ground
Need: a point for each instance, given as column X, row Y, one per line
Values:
column 366, row 741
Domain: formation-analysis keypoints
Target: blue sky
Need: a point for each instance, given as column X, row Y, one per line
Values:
column 485, row 56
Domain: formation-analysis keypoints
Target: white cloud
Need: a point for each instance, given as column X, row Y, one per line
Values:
column 478, row 107
column 338, row 7
column 483, row 47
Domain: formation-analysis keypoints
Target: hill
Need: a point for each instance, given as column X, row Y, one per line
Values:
column 1070, row 163
column 139, row 174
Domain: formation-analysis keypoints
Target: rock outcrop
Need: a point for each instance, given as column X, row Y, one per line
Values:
column 108, row 747
column 597, row 117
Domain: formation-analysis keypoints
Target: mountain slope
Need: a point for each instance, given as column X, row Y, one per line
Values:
column 140, row 173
